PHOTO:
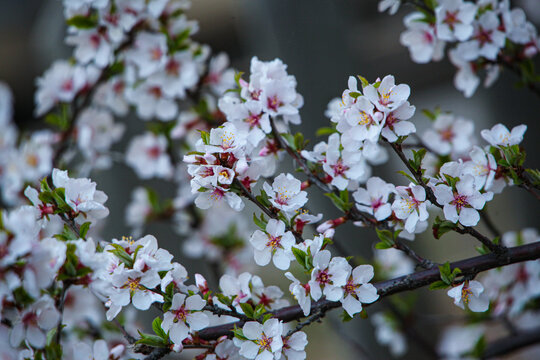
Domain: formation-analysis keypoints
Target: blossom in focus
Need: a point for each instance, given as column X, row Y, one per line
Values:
column 274, row 243
column 410, row 205
column 470, row 293
column 357, row 290
column 184, row 317
column 263, row 340
column 462, row 203
column 286, row 194
column 374, row 198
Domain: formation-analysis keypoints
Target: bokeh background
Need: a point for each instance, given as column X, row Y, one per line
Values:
column 323, row 42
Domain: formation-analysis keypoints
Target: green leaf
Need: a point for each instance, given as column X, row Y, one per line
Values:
column 261, row 223
column 156, row 326
column 224, row 299
column 338, row 202
column 290, row 140
column 248, row 310
column 386, row 237
column 60, row 121
column 363, row 81
column 325, row 131
column 205, row 136
column 441, row 227
column 83, row 230
column 53, row 351
column 382, row 246
column 83, row 22
column 345, row 317
column 238, row 333
column 153, row 199
column 67, row 234
column 535, row 175
column 299, row 142
column 438, row 285
column 151, row 340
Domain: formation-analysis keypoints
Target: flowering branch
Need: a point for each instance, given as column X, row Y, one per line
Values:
column 468, row 267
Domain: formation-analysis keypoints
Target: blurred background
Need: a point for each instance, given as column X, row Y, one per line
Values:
column 323, row 42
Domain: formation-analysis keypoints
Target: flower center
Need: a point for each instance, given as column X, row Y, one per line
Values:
column 385, row 98
column 154, row 152
column 484, row 36
column 180, row 314
column 133, row 284
column 156, row 54
column 173, row 68
column 350, row 287
column 227, row 141
column 217, row 194
column 451, row 19
column 323, row 277
column 283, row 196
column 460, row 201
column 274, row 242
column 273, row 103
column 365, row 119
column 447, row 134
column 265, row 343
column 466, row 293
column 339, row 168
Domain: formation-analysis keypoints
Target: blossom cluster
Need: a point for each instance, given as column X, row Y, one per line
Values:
column 240, row 150
column 487, row 34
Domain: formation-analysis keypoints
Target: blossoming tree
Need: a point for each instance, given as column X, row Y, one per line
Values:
column 219, row 136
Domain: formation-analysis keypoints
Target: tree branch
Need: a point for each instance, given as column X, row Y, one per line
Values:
column 468, row 267
column 511, row 343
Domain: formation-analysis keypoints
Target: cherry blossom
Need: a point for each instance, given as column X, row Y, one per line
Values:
column 454, row 19
column 184, row 317
column 275, row 243
column 357, row 290
column 387, row 96
column 387, row 333
column 410, row 205
column 328, row 276
column 470, row 293
column 147, row 155
column 449, row 135
column 263, row 340
column 294, row 345
column 462, row 203
column 421, row 40
column 301, row 293
column 81, row 196
column 34, row 322
column 374, row 198
column 286, row 194
column 499, row 135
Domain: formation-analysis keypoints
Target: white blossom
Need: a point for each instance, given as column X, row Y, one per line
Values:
column 470, row 293
column 275, row 243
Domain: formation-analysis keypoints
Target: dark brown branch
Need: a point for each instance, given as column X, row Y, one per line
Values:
column 512, row 343
column 469, row 267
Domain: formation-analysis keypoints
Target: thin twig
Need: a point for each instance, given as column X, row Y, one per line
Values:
column 417, row 174
column 489, row 223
